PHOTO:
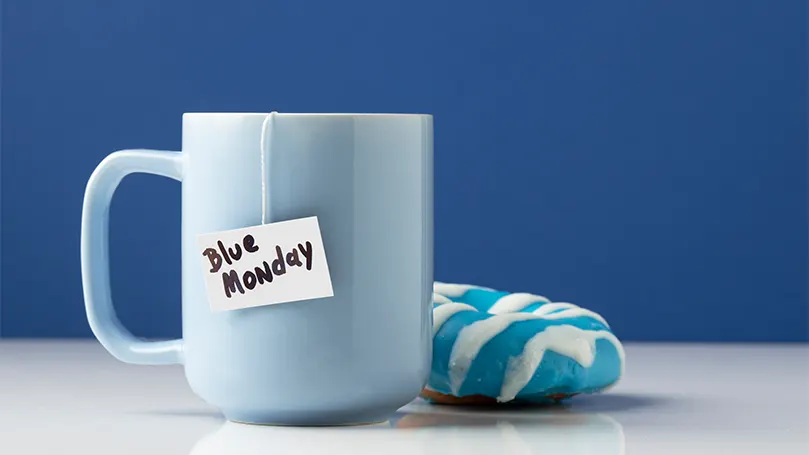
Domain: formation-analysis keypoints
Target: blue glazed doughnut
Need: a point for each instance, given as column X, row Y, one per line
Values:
column 493, row 346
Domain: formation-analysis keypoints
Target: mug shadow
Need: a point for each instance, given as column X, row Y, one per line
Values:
column 606, row 403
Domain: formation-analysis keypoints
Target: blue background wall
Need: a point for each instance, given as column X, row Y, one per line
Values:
column 643, row 159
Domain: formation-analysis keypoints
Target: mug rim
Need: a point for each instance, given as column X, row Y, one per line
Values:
column 313, row 114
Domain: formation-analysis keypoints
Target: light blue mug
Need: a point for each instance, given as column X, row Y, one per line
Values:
column 355, row 357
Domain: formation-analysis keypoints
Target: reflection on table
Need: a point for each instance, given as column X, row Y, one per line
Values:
column 426, row 429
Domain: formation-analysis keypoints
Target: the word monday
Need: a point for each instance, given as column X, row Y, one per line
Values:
column 233, row 282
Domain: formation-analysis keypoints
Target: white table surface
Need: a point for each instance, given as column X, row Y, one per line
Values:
column 71, row 397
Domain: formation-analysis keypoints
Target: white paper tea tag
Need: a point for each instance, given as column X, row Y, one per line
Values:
column 265, row 264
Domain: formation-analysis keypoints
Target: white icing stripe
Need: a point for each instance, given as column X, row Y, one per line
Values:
column 518, row 301
column 439, row 299
column 573, row 313
column 472, row 338
column 567, row 340
column 513, row 303
column 454, row 290
column 442, row 313
column 548, row 307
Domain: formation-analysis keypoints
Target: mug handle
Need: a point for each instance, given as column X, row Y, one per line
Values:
column 115, row 338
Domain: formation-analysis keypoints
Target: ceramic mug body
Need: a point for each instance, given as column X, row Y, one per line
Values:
column 352, row 358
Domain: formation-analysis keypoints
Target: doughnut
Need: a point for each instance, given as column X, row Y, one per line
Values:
column 494, row 347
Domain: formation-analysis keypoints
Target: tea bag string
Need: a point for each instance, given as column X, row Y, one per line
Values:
column 264, row 149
